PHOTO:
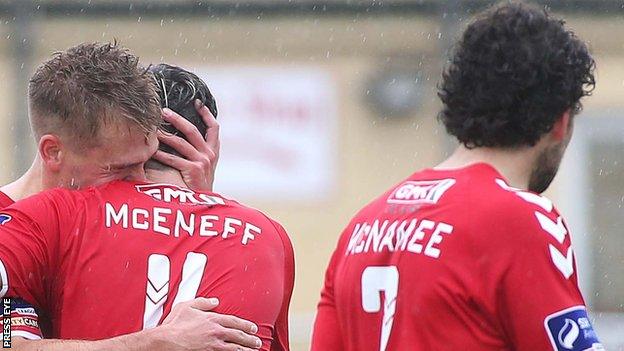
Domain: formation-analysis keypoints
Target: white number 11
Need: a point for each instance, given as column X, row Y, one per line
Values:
column 374, row 281
column 158, row 274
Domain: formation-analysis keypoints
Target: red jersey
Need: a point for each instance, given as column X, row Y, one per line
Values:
column 114, row 259
column 454, row 260
column 26, row 321
column 5, row 200
column 24, row 317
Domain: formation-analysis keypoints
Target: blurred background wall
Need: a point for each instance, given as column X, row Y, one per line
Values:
column 325, row 104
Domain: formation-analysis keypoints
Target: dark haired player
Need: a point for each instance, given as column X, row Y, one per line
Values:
column 183, row 136
column 468, row 255
column 136, row 250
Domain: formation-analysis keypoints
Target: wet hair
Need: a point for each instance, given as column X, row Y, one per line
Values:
column 177, row 90
column 512, row 75
column 91, row 84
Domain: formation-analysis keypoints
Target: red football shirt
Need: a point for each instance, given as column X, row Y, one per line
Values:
column 114, row 259
column 24, row 317
column 453, row 260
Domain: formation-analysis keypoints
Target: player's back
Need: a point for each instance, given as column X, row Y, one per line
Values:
column 129, row 252
column 426, row 266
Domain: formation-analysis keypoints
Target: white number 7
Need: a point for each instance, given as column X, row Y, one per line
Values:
column 375, row 280
column 158, row 274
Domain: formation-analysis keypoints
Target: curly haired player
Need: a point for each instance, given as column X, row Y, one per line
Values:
column 467, row 255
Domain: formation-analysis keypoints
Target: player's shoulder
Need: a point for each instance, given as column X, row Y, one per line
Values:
column 482, row 192
column 493, row 197
column 80, row 199
column 250, row 213
column 269, row 226
column 482, row 189
column 77, row 195
column 513, row 218
column 49, row 206
column 477, row 185
column 513, row 200
column 528, row 225
column 57, row 196
column 473, row 196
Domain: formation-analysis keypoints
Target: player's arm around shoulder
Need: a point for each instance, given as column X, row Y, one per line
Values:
column 189, row 327
column 530, row 272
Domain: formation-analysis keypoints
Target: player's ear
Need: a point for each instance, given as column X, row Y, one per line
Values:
column 562, row 126
column 50, row 150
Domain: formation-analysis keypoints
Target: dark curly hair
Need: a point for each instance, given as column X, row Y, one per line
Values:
column 512, row 75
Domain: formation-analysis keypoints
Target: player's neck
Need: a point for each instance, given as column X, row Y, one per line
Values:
column 166, row 175
column 28, row 184
column 515, row 165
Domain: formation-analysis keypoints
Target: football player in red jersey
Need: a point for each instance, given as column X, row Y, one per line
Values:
column 94, row 112
column 467, row 255
column 126, row 253
column 161, row 244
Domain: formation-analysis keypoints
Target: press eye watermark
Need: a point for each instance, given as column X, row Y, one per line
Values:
column 6, row 323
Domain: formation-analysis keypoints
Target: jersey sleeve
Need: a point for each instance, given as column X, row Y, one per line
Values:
column 29, row 246
column 326, row 334
column 538, row 302
column 280, row 333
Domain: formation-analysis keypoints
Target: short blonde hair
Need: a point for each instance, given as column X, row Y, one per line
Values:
column 91, row 84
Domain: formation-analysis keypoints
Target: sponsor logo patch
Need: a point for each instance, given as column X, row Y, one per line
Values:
column 173, row 193
column 4, row 218
column 571, row 330
column 420, row 192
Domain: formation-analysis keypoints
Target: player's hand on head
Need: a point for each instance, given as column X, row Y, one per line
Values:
column 192, row 326
column 200, row 154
